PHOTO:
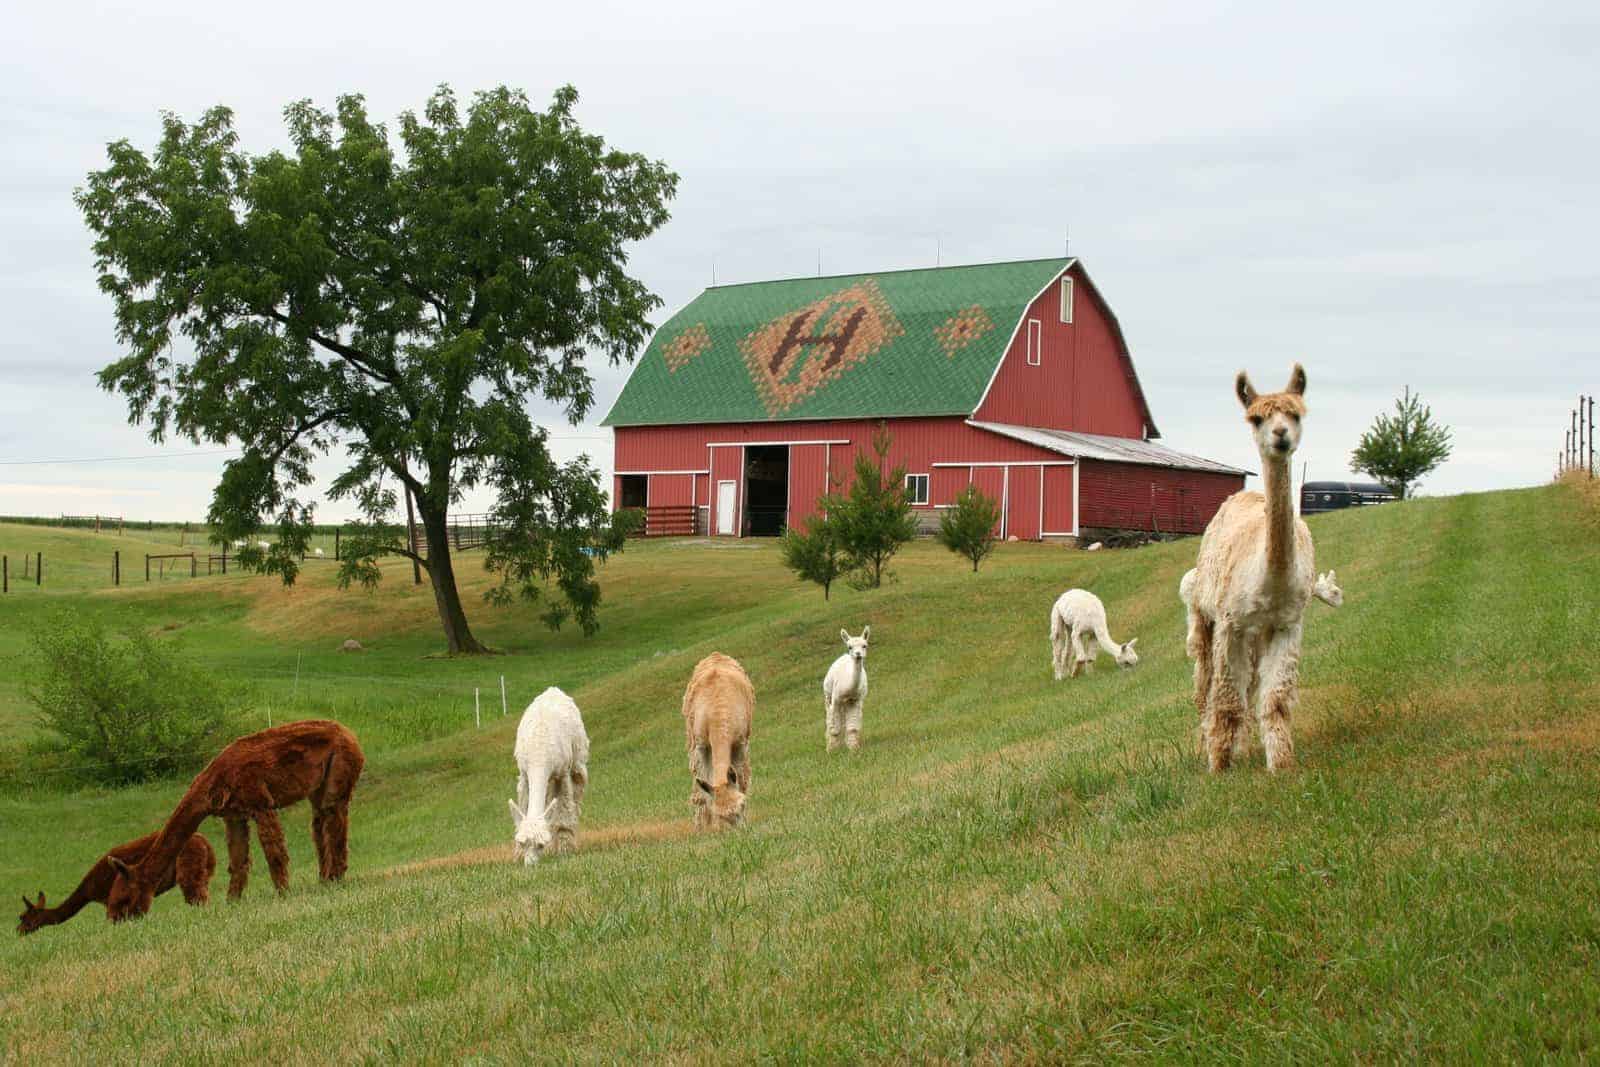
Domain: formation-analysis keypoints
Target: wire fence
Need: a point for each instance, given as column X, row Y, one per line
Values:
column 1578, row 452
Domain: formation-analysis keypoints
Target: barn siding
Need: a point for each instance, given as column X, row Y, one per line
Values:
column 807, row 481
column 1022, row 494
column 991, row 482
column 1082, row 381
column 671, row 490
column 1058, row 516
column 1131, row 497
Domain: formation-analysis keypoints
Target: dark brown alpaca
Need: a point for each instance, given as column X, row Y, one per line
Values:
column 196, row 864
column 251, row 779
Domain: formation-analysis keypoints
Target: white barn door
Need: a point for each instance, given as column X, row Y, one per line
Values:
column 726, row 526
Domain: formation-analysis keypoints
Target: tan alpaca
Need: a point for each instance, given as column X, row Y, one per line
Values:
column 718, row 707
column 1255, row 574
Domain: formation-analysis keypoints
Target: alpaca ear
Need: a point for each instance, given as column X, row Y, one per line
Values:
column 844, row 635
column 550, row 807
column 1297, row 380
column 27, row 905
column 866, row 633
column 516, row 812
column 1131, row 642
column 1330, row 576
column 700, row 783
column 41, row 898
column 1246, row 391
column 119, row 866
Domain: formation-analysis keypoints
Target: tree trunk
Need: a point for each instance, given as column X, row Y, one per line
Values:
column 435, row 525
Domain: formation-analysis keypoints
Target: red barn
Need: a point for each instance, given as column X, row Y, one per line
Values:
column 1014, row 377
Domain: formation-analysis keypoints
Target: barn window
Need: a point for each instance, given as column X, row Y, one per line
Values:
column 1066, row 299
column 917, row 488
column 1035, row 341
column 635, row 490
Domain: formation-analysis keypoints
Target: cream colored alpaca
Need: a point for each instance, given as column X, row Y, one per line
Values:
column 718, row 707
column 1252, row 582
column 1078, row 623
column 844, row 692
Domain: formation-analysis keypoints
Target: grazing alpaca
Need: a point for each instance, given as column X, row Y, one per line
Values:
column 1253, row 579
column 844, row 691
column 196, row 864
column 1078, row 619
column 251, row 779
column 718, row 706
column 552, row 754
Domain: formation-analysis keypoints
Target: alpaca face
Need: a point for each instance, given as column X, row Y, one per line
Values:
column 533, row 834
column 1327, row 590
column 129, row 898
column 856, row 646
column 1128, row 658
column 1274, row 418
column 32, row 916
column 723, row 806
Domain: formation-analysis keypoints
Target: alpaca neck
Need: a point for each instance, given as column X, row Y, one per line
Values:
column 1280, row 515
column 858, row 670
column 1102, row 636
column 67, row 908
column 162, row 858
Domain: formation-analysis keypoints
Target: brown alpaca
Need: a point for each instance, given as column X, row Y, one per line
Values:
column 196, row 864
column 251, row 779
column 1253, row 579
column 718, row 707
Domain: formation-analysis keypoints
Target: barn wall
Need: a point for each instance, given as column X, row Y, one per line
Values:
column 1082, row 381
column 807, row 481
column 1022, row 502
column 1131, row 497
column 670, row 490
column 1059, row 519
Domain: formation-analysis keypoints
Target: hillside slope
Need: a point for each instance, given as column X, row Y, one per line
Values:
column 1011, row 868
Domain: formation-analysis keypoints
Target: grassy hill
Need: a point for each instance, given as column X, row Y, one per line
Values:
column 1012, row 868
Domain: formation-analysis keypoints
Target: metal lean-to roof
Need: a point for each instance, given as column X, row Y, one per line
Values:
column 897, row 343
column 1109, row 449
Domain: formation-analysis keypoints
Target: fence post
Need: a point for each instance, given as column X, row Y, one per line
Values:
column 116, row 566
column 38, row 568
column 503, row 711
column 147, row 566
column 5, row 574
column 335, row 544
column 477, row 708
column 224, row 559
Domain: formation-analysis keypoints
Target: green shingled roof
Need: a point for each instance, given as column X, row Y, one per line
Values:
column 914, row 342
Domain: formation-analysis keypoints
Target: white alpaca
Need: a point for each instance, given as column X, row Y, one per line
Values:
column 1078, row 621
column 317, row 552
column 1325, row 588
column 844, row 691
column 552, row 769
column 1255, row 574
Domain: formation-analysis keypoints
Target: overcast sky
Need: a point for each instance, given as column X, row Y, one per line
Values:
column 1393, row 193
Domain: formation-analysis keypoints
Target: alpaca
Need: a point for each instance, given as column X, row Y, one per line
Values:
column 1254, row 576
column 844, row 691
column 552, row 753
column 718, row 706
column 1078, row 619
column 251, row 779
column 192, row 874
column 1326, row 589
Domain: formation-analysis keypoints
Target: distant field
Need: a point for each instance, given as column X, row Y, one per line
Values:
column 1011, row 869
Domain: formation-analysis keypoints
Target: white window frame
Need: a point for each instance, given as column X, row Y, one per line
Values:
column 1035, row 342
column 927, row 489
column 1066, row 300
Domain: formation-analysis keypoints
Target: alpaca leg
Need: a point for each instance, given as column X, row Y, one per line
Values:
column 699, row 771
column 741, row 767
column 1225, row 708
column 835, row 724
column 1200, row 638
column 270, row 832
column 1078, row 657
column 1091, row 650
column 194, row 875
column 1058, row 652
column 1280, row 691
column 852, row 725
column 238, row 855
column 336, row 839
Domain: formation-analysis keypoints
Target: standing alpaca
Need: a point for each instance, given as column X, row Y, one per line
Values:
column 718, row 707
column 1325, row 588
column 552, row 754
column 844, row 691
column 1078, row 619
column 1253, row 579
column 196, row 863
column 251, row 779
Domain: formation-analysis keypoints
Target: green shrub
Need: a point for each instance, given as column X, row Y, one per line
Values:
column 968, row 528
column 873, row 520
column 815, row 555
column 126, row 709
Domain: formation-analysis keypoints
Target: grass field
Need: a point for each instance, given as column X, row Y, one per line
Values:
column 1011, row 868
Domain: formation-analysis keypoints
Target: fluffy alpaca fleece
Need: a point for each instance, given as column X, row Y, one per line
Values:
column 552, row 753
column 192, row 874
column 1326, row 589
column 844, row 691
column 249, row 780
column 1254, row 576
column 1078, row 622
column 718, row 707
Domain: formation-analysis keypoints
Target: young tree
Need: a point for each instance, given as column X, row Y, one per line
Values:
column 968, row 528
column 815, row 555
column 1400, row 449
column 874, row 518
column 394, row 305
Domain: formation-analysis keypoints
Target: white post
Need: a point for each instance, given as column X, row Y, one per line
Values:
column 294, row 694
column 477, row 708
column 269, row 716
column 503, row 710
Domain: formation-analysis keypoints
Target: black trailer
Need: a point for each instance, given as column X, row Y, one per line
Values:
column 1331, row 496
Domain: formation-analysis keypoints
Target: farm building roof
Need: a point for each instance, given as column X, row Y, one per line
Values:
column 896, row 343
column 1109, row 449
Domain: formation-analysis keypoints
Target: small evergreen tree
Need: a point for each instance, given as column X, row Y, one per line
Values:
column 968, row 528
column 1401, row 448
column 816, row 554
column 874, row 518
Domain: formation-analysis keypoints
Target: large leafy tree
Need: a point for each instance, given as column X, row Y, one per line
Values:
column 1400, row 449
column 396, row 305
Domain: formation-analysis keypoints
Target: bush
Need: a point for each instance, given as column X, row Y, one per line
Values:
column 815, row 555
column 968, row 528
column 126, row 709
